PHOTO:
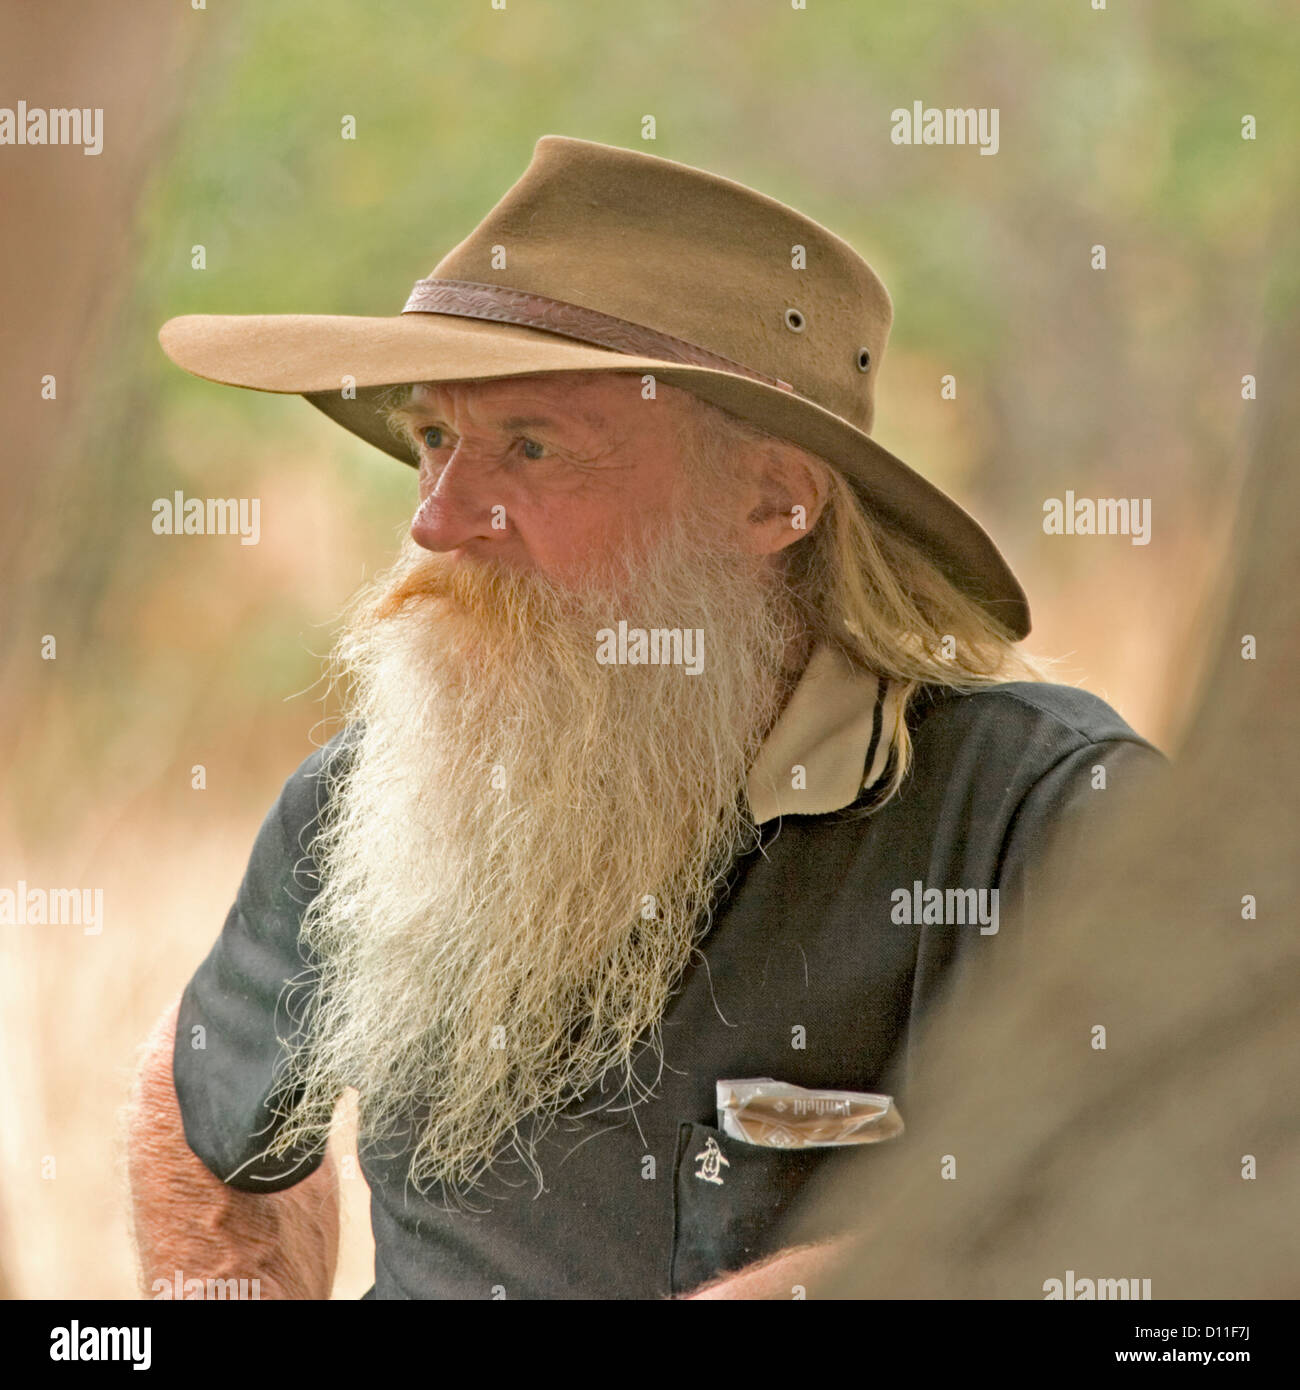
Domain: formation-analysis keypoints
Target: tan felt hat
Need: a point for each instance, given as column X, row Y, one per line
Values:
column 605, row 259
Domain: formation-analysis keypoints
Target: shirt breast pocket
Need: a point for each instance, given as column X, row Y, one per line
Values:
column 730, row 1200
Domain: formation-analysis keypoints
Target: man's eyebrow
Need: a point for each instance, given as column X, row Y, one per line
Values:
column 405, row 413
column 528, row 422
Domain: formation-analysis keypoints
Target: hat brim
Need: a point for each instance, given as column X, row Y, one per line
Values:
column 317, row 355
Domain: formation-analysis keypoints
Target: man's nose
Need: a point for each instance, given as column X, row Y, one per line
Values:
column 453, row 507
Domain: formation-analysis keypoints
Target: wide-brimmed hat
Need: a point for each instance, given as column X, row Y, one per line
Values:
column 606, row 259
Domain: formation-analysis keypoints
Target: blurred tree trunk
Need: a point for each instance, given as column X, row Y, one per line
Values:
column 66, row 239
column 65, row 246
column 1134, row 1162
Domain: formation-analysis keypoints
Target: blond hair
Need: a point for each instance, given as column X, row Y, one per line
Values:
column 871, row 592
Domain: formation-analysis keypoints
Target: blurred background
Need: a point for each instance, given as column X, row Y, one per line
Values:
column 223, row 128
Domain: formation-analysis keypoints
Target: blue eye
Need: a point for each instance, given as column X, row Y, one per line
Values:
column 433, row 437
column 530, row 445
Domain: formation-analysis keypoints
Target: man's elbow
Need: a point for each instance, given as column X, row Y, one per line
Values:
column 186, row 1219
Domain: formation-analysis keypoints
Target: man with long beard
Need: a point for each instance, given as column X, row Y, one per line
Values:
column 527, row 838
column 550, row 886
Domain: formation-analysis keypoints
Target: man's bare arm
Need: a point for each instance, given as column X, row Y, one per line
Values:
column 185, row 1219
column 780, row 1275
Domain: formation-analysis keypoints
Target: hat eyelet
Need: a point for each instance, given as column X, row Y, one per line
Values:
column 795, row 321
column 864, row 359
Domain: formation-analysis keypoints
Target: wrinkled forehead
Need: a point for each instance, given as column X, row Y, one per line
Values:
column 588, row 393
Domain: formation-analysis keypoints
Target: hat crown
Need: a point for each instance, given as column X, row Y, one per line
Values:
column 693, row 255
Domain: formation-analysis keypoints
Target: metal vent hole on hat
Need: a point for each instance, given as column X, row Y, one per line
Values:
column 795, row 321
column 864, row 359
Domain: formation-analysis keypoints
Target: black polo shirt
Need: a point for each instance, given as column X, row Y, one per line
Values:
column 815, row 972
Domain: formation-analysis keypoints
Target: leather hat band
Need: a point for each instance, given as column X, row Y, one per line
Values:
column 473, row 300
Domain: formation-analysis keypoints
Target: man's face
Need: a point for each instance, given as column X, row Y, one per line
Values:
column 549, row 474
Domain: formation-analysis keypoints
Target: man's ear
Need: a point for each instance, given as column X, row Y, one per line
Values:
column 791, row 489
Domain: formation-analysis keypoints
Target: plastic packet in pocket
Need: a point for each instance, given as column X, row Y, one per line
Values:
column 777, row 1115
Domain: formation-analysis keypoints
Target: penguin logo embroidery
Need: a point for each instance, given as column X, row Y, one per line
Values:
column 711, row 1160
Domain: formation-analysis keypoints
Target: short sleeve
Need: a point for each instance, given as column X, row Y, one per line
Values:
column 1070, row 799
column 238, row 1012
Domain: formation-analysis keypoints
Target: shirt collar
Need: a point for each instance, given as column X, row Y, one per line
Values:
column 826, row 746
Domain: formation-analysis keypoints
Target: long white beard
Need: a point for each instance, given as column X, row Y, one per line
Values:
column 521, row 859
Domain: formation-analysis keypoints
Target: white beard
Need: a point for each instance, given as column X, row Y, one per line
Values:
column 523, row 853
